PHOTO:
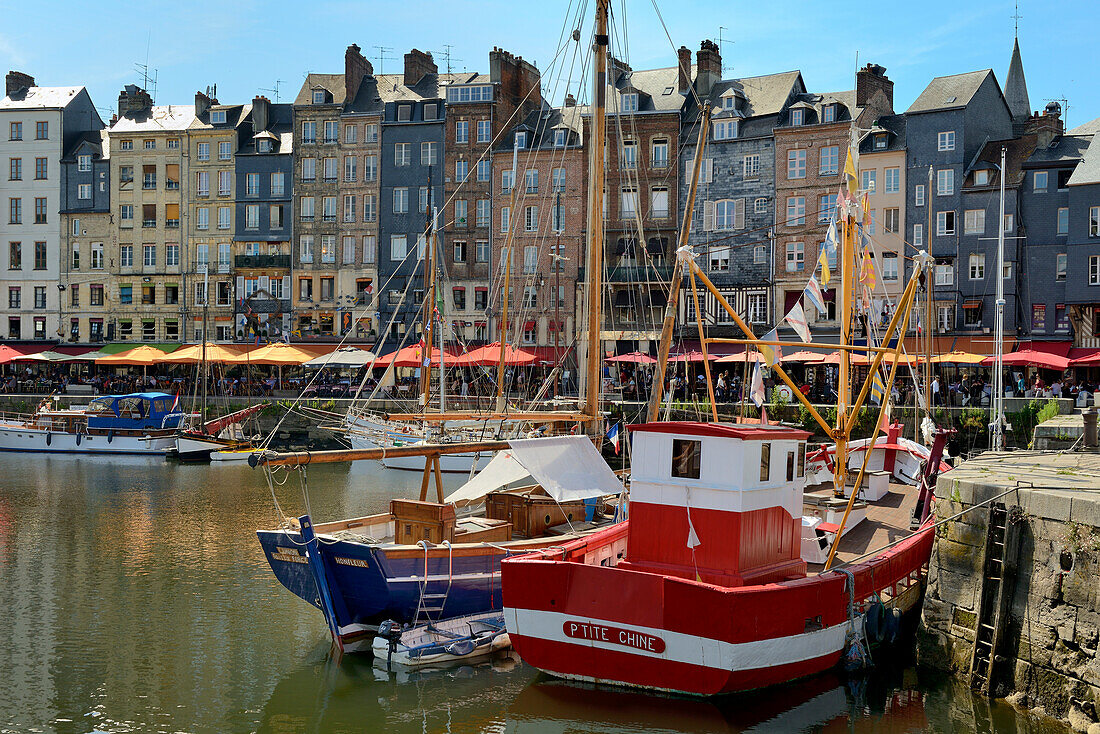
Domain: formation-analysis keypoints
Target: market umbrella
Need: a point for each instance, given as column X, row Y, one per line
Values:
column 1032, row 358
column 8, row 354
column 192, row 354
column 278, row 354
column 346, row 357
column 633, row 358
column 804, row 356
column 143, row 355
column 692, row 356
column 489, row 356
column 958, row 357
column 741, row 357
column 410, row 356
column 834, row 358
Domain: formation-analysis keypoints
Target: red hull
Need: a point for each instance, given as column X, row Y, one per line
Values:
column 615, row 625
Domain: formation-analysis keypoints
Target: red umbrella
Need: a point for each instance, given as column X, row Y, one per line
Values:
column 742, row 357
column 489, row 355
column 1031, row 357
column 805, row 356
column 692, row 356
column 410, row 356
column 634, row 358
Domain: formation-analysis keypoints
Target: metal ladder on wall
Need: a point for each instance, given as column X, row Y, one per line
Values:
column 999, row 560
column 430, row 603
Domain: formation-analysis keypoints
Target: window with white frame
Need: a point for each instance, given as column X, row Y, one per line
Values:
column 1063, row 220
column 429, row 154
column 370, row 208
column 725, row 129
column 891, row 220
column 890, row 266
column 974, row 221
column 796, row 257
column 796, row 163
column 946, row 140
column 868, row 180
column 759, row 255
column 981, row 177
column 328, row 168
column 719, row 259
column 557, row 180
column 225, row 150
column 306, row 208
column 401, row 200
column 760, row 206
column 531, row 219
column 829, row 160
column 628, row 154
column 225, row 183
column 826, row 207
column 462, row 170
column 370, row 248
column 945, row 182
column 918, row 195
column 798, row 116
column 202, row 218
column 658, row 202
column 630, row 103
column 351, row 172
column 399, row 246
column 505, row 218
column 560, row 138
column 945, row 317
column 402, row 154
column 1094, row 270
column 252, row 216
column 750, row 165
column 977, row 265
column 828, row 113
column 1061, row 265
column 483, row 212
column 328, row 208
column 84, row 191
column 758, row 308
column 224, row 217
column 658, row 151
column 945, row 223
column 1094, row 221
column 892, row 184
column 628, row 202
column 484, row 131
column 462, row 132
column 349, row 207
column 796, row 210
column 83, row 163
column 309, row 169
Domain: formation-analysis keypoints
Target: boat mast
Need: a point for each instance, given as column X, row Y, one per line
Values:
column 596, row 174
column 205, row 305
column 429, row 304
column 997, row 424
column 506, row 292
column 847, row 293
column 657, row 388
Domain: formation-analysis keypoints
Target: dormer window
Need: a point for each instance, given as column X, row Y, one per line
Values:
column 217, row 117
column 318, row 96
column 521, row 139
column 725, row 129
column 431, row 111
column 729, row 102
column 880, row 141
column 630, row 103
column 560, row 138
column 404, row 112
column 981, row 177
column 263, row 146
column 828, row 113
column 798, row 116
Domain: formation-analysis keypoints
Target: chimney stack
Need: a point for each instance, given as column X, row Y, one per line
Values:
column 1047, row 126
column 356, row 68
column 570, row 101
column 871, row 79
column 261, row 114
column 133, row 98
column 708, row 62
column 418, row 64
column 683, row 69
column 202, row 103
column 15, row 81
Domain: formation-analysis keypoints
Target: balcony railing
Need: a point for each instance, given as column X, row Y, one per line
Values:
column 148, row 222
column 261, row 261
column 172, row 224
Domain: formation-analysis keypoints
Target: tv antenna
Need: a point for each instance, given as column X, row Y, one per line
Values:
column 148, row 79
column 274, row 90
column 720, row 42
column 383, row 56
column 1065, row 108
column 447, row 57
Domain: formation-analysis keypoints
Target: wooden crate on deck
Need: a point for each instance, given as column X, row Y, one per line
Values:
column 414, row 521
column 531, row 512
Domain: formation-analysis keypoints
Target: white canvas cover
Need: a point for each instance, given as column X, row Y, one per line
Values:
column 568, row 467
column 501, row 471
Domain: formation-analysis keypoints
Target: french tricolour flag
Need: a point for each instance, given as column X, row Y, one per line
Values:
column 613, row 436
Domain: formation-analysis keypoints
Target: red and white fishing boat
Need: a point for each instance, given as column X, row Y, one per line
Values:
column 703, row 590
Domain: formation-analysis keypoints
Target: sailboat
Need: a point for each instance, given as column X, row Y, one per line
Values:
column 705, row 589
column 429, row 561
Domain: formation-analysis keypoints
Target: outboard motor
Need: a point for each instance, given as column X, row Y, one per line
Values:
column 390, row 631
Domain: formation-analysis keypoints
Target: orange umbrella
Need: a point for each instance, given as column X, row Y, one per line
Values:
column 489, row 355
column 742, row 357
column 804, row 356
column 143, row 355
column 410, row 356
column 272, row 354
column 192, row 354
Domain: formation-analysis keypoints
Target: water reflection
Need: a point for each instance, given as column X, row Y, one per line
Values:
column 136, row 598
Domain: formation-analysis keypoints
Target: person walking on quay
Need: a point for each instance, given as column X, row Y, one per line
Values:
column 936, row 390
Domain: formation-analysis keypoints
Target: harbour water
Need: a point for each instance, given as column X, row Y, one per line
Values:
column 135, row 598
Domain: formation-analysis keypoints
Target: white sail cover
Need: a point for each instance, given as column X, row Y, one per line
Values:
column 501, row 471
column 568, row 467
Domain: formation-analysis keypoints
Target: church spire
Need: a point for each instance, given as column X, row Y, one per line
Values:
column 1016, row 87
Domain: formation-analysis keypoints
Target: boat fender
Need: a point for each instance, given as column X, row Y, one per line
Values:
column 110, row 436
column 893, row 624
column 49, row 438
column 79, row 436
column 875, row 622
column 459, row 648
column 390, row 631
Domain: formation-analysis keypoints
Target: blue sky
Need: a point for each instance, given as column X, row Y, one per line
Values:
column 245, row 46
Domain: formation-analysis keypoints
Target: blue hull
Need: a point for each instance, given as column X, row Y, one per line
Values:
column 369, row 587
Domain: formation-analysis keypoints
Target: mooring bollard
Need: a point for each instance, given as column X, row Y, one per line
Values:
column 1090, row 428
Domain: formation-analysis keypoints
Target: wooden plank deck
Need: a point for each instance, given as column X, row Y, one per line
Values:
column 887, row 521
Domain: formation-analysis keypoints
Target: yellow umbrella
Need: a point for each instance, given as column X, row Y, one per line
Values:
column 143, row 355
column 192, row 354
column 273, row 354
column 958, row 358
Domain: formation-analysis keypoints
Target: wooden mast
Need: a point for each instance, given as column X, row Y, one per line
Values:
column 595, row 219
column 657, row 388
column 429, row 304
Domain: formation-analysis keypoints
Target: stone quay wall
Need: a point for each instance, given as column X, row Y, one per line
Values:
column 1048, row 655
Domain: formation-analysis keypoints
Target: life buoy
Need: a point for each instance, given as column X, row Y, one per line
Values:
column 785, row 392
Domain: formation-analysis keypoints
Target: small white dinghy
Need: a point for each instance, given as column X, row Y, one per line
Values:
column 233, row 454
column 439, row 643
